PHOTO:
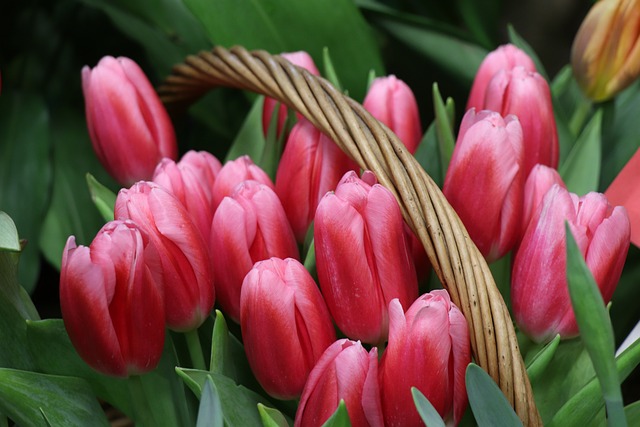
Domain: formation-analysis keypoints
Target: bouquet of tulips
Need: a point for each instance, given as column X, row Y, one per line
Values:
column 270, row 279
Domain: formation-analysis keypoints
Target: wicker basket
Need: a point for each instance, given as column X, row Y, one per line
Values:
column 454, row 257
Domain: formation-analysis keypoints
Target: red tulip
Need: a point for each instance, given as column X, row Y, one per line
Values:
column 235, row 172
column 128, row 125
column 249, row 226
column 311, row 165
column 363, row 256
column 285, row 325
column 392, row 102
column 428, row 349
column 539, row 293
column 101, row 290
column 485, row 181
column 344, row 372
column 184, row 268
column 625, row 191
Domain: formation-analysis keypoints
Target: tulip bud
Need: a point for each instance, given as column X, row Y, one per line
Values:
column 485, row 181
column 344, row 372
column 392, row 102
column 540, row 180
column 285, row 325
column 428, row 349
column 606, row 51
column 505, row 57
column 301, row 59
column 128, row 125
column 311, row 165
column 539, row 293
column 235, row 172
column 249, row 226
column 184, row 267
column 101, row 290
column 190, row 181
column 363, row 257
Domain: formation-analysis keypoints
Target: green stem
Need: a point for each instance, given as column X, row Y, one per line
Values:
column 195, row 350
column 615, row 411
column 142, row 412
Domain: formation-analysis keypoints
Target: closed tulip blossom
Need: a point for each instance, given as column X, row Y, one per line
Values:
column 428, row 349
column 101, row 290
column 505, row 57
column 346, row 371
column 605, row 55
column 191, row 180
column 363, row 257
column 248, row 226
column 391, row 101
column 285, row 325
column 184, row 267
column 129, row 127
column 301, row 59
column 540, row 180
column 485, row 180
column 539, row 293
column 235, row 172
column 311, row 165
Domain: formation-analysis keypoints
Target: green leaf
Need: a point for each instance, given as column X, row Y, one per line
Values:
column 632, row 412
column 444, row 126
column 340, row 418
column 521, row 43
column 427, row 412
column 25, row 173
column 330, row 71
column 221, row 358
column 103, row 198
column 539, row 362
column 489, row 405
column 482, row 19
column 66, row 401
column 581, row 170
column 284, row 26
column 210, row 411
column 250, row 140
column 271, row 417
column 428, row 155
column 595, row 329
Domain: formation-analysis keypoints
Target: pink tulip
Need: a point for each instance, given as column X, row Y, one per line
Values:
column 311, row 165
column 235, row 172
column 128, row 125
column 485, row 180
column 363, row 257
column 112, row 306
column 540, row 180
column 184, row 267
column 625, row 191
column 539, row 294
column 190, row 181
column 392, row 102
column 344, row 372
column 505, row 57
column 301, row 59
column 285, row 325
column 428, row 349
column 249, row 226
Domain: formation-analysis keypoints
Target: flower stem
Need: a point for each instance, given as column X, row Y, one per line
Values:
column 142, row 411
column 195, row 349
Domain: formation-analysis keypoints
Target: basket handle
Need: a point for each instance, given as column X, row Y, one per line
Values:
column 454, row 257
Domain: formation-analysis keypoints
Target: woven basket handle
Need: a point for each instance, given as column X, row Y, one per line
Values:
column 454, row 257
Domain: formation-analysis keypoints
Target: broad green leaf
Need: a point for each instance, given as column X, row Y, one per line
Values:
column 427, row 412
column 210, row 411
column 221, row 359
column 595, row 329
column 250, row 139
column 103, row 198
column 521, row 43
column 330, row 71
column 538, row 363
column 271, row 417
column 340, row 418
column 25, row 174
column 581, row 170
column 482, row 19
column 632, row 412
column 9, row 240
column 284, row 26
column 66, row 401
column 428, row 155
column 489, row 405
column 444, row 126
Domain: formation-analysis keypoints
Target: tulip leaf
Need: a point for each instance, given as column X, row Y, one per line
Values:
column 25, row 396
column 539, row 362
column 595, row 329
column 271, row 417
column 444, row 126
column 25, row 174
column 429, row 157
column 210, row 411
column 632, row 412
column 102, row 197
column 249, row 140
column 522, row 44
column 489, row 405
column 428, row 413
column 284, row 26
column 340, row 418
column 581, row 170
column 329, row 70
column 221, row 359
